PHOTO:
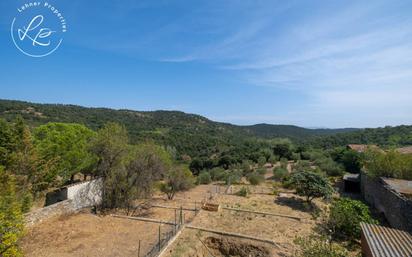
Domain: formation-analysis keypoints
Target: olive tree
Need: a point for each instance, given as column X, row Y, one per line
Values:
column 311, row 185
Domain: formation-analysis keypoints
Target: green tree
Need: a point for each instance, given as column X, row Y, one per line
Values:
column 67, row 145
column 261, row 161
column 11, row 219
column 388, row 164
column 177, row 179
column 204, row 178
column 311, row 185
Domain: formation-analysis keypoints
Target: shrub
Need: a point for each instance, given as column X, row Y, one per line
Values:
column 233, row 177
column 273, row 159
column 280, row 173
column 391, row 164
column 11, row 218
column 302, row 165
column 204, row 178
column 261, row 171
column 255, row 178
column 345, row 216
column 218, row 174
column 242, row 192
column 311, row 185
column 330, row 167
column 261, row 161
column 318, row 246
column 177, row 179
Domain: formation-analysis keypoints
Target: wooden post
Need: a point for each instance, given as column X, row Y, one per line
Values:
column 181, row 215
column 159, row 238
column 138, row 250
column 195, row 207
column 175, row 226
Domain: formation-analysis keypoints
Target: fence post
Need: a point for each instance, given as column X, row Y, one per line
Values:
column 159, row 238
column 181, row 214
column 138, row 251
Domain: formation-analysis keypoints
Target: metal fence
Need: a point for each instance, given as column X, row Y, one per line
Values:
column 162, row 241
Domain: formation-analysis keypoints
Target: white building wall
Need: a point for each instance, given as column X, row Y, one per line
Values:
column 86, row 194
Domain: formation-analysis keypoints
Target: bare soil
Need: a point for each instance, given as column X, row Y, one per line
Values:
column 86, row 234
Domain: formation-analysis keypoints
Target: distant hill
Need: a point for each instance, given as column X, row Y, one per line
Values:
column 290, row 131
column 189, row 133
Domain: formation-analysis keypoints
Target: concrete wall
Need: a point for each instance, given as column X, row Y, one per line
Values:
column 396, row 207
column 86, row 194
column 68, row 200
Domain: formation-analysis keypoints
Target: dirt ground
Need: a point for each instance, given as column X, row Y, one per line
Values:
column 85, row 234
column 193, row 243
column 281, row 230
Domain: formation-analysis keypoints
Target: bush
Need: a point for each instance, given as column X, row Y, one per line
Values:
column 177, row 179
column 255, row 178
column 11, row 218
column 242, row 192
column 233, row 177
column 261, row 171
column 311, row 185
column 345, row 216
column 218, row 174
column 302, row 165
column 391, row 164
column 330, row 167
column 261, row 161
column 318, row 246
column 280, row 173
column 204, row 178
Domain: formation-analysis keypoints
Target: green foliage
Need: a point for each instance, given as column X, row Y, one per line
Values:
column 391, row 164
column 261, row 171
column 330, row 167
column 345, row 217
column 311, row 185
column 280, row 173
column 66, row 144
column 273, row 159
column 244, row 192
column 218, row 174
column 282, row 148
column 255, row 178
column 319, row 246
column 261, row 161
column 177, row 179
column 233, row 177
column 204, row 178
column 11, row 219
column 302, row 165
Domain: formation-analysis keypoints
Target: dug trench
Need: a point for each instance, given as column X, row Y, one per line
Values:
column 234, row 248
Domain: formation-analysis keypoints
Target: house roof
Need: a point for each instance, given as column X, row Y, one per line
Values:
column 405, row 150
column 352, row 177
column 386, row 242
column 360, row 148
column 399, row 185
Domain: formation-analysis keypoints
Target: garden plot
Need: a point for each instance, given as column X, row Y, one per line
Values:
column 85, row 234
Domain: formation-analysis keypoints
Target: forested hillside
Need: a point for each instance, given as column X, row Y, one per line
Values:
column 194, row 135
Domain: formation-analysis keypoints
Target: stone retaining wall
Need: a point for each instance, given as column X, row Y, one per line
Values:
column 57, row 209
column 396, row 207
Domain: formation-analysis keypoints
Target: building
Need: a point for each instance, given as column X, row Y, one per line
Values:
column 379, row 241
column 405, row 150
column 391, row 197
column 82, row 194
column 360, row 148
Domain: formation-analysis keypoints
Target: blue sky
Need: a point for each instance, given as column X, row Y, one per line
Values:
column 307, row 63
